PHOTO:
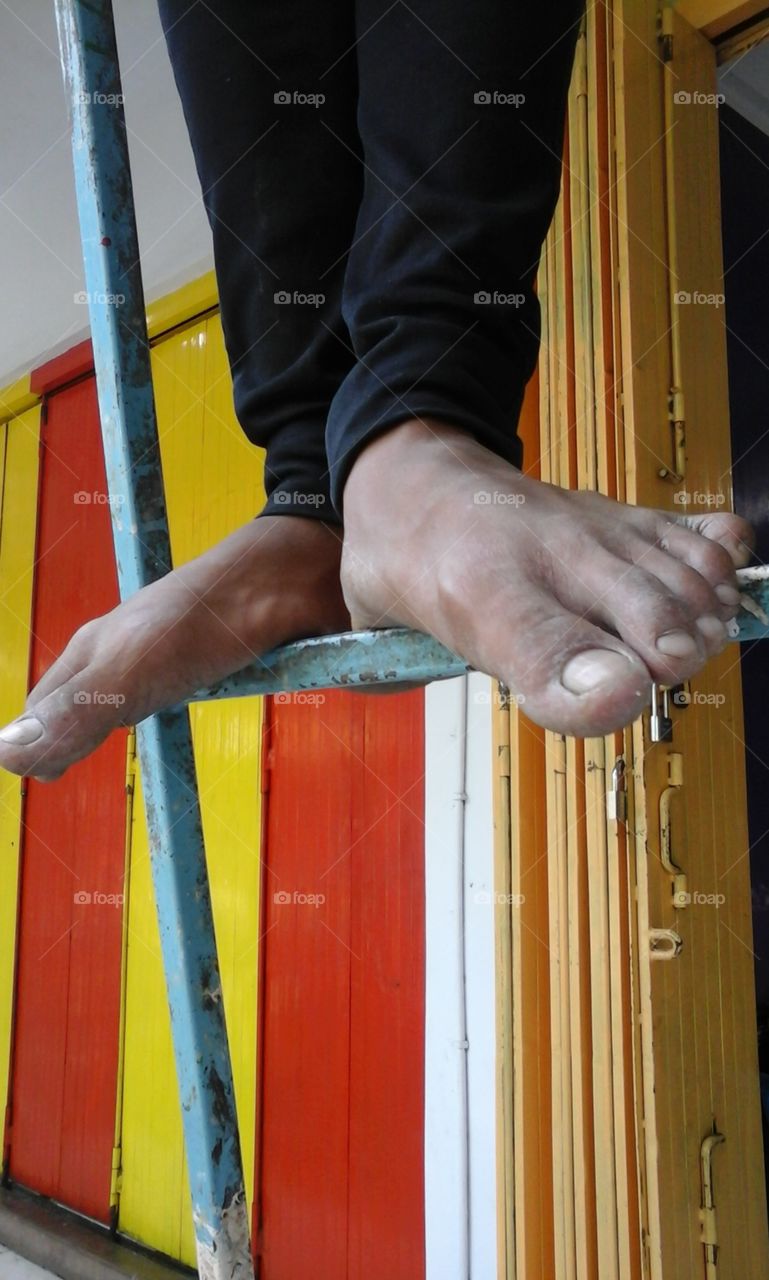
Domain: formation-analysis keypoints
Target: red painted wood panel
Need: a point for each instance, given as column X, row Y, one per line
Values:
column 341, row 1145
column 68, row 977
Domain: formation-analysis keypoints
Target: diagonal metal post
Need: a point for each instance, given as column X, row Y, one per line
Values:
column 142, row 550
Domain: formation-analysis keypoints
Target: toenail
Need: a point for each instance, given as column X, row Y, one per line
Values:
column 21, row 732
column 677, row 644
column 712, row 628
column 594, row 667
column 727, row 595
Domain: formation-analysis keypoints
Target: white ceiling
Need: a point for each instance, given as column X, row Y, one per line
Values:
column 745, row 84
column 40, row 260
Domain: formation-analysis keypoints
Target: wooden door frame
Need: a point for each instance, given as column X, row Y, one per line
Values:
column 714, row 18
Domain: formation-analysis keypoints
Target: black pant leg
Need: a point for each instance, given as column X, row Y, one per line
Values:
column 461, row 115
column 282, row 193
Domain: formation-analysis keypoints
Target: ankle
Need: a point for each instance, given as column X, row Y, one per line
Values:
column 398, row 469
column 417, row 439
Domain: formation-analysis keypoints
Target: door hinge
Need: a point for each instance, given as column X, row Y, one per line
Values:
column 665, row 32
column 677, row 419
column 116, row 1179
column 8, row 1130
column 130, row 763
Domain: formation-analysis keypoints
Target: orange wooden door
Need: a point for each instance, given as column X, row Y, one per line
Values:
column 64, row 1069
column 341, row 1194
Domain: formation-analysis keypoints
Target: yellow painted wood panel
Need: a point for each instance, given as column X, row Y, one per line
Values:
column 213, row 479
column 19, row 440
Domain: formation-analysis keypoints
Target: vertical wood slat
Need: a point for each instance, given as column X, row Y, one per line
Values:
column 606, row 231
column 598, row 1151
column 506, row 999
column 563, row 1137
column 580, row 972
column 554, row 431
column 602, row 160
column 528, row 1187
column 19, row 449
column 615, row 1143
column 67, row 992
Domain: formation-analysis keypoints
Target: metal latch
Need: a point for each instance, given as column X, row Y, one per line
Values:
column 660, row 722
column 664, row 944
column 616, row 796
column 681, row 895
column 665, row 31
column 708, row 1224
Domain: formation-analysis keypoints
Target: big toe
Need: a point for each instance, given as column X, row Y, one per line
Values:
column 569, row 675
column 58, row 729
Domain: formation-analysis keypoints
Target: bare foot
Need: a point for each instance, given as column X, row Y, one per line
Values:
column 274, row 580
column 574, row 601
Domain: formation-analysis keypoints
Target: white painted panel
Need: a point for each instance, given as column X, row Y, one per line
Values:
column 446, row 1226
column 479, row 979
column 460, row 1161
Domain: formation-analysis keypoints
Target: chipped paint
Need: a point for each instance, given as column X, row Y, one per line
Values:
column 753, row 618
column 219, row 1259
column 395, row 655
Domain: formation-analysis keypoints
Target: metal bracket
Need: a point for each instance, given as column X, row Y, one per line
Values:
column 664, row 944
column 708, row 1223
column 660, row 722
column 616, row 797
column 681, row 896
